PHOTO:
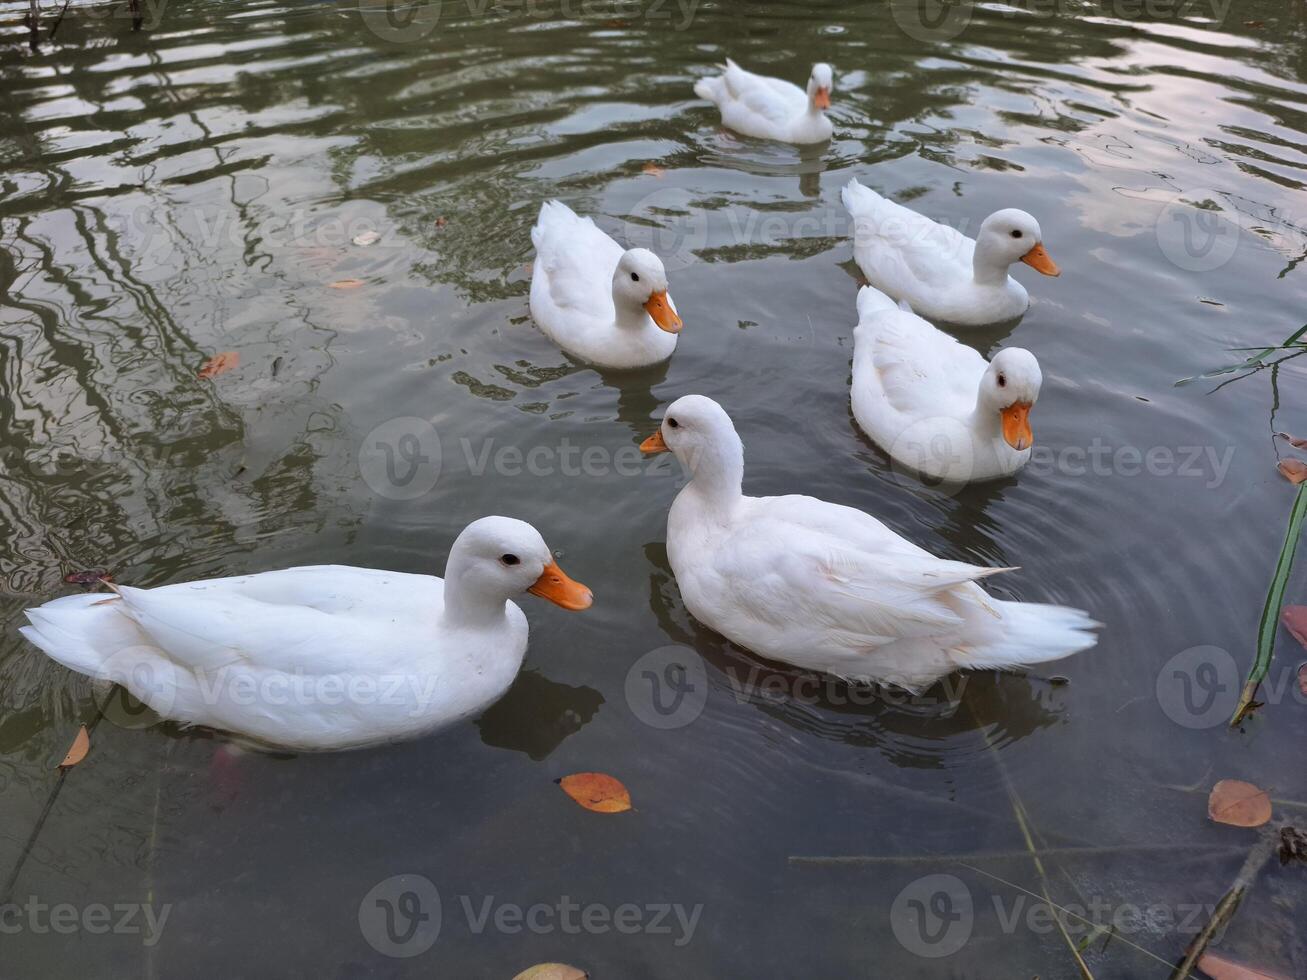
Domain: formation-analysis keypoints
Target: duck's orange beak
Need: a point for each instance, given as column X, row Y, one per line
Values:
column 554, row 585
column 1039, row 260
column 654, row 444
column 659, row 308
column 821, row 98
column 1016, row 426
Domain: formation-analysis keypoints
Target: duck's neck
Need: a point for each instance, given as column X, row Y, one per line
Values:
column 986, row 421
column 465, row 604
column 987, row 268
column 717, row 475
column 630, row 315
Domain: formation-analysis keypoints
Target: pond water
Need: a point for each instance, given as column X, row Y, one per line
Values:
column 195, row 187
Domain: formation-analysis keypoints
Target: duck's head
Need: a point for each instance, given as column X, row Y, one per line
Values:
column 1011, row 235
column 1010, row 388
column 695, row 429
column 500, row 557
column 641, row 280
column 819, row 85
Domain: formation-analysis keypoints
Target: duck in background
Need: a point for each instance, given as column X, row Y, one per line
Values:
column 600, row 303
column 771, row 108
column 319, row 657
column 936, row 405
column 944, row 275
column 830, row 588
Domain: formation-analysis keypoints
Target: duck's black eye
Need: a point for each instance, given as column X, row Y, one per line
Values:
column 1002, row 380
column 672, row 423
column 634, row 277
column 1016, row 232
column 510, row 559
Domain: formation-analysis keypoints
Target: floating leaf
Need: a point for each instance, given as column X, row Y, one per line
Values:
column 1293, row 440
column 597, row 791
column 1294, row 619
column 552, row 971
column 442, row 221
column 347, row 284
column 1219, row 968
column 1293, row 470
column 77, row 751
column 367, row 238
column 91, row 576
column 653, row 170
column 220, row 364
column 1239, row 804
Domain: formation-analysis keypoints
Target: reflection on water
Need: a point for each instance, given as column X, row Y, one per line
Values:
column 198, row 186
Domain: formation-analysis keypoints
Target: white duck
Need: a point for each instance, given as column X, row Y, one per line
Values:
column 771, row 108
column 598, row 302
column 319, row 657
column 935, row 405
column 829, row 588
column 946, row 276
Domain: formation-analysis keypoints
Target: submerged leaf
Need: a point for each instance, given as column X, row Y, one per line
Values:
column 1293, row 440
column 367, row 238
column 1219, row 968
column 1293, row 470
column 347, row 284
column 91, row 576
column 552, row 971
column 1294, row 619
column 597, row 791
column 1239, row 804
column 1293, row 845
column 220, row 364
column 77, row 751
column 653, row 170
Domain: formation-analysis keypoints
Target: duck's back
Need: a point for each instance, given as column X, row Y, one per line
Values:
column 571, row 284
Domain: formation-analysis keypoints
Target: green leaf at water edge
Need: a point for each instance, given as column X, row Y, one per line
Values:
column 1271, row 611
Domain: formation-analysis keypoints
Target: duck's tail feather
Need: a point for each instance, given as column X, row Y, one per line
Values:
column 1032, row 633
column 872, row 301
column 858, row 199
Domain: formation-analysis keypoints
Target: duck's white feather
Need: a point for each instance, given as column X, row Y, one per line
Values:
column 764, row 107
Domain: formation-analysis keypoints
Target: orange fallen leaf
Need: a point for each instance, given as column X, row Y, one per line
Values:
column 77, row 751
column 347, row 284
column 552, row 971
column 1219, row 968
column 1293, row 470
column 1294, row 619
column 442, row 221
column 1239, row 804
column 597, row 791
column 653, row 170
column 220, row 364
column 1293, row 440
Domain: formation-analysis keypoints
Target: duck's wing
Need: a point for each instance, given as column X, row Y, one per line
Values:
column 919, row 371
column 576, row 261
column 839, row 572
column 773, row 99
column 902, row 252
column 315, row 620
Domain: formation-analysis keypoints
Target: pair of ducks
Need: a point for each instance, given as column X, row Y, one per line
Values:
column 340, row 657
